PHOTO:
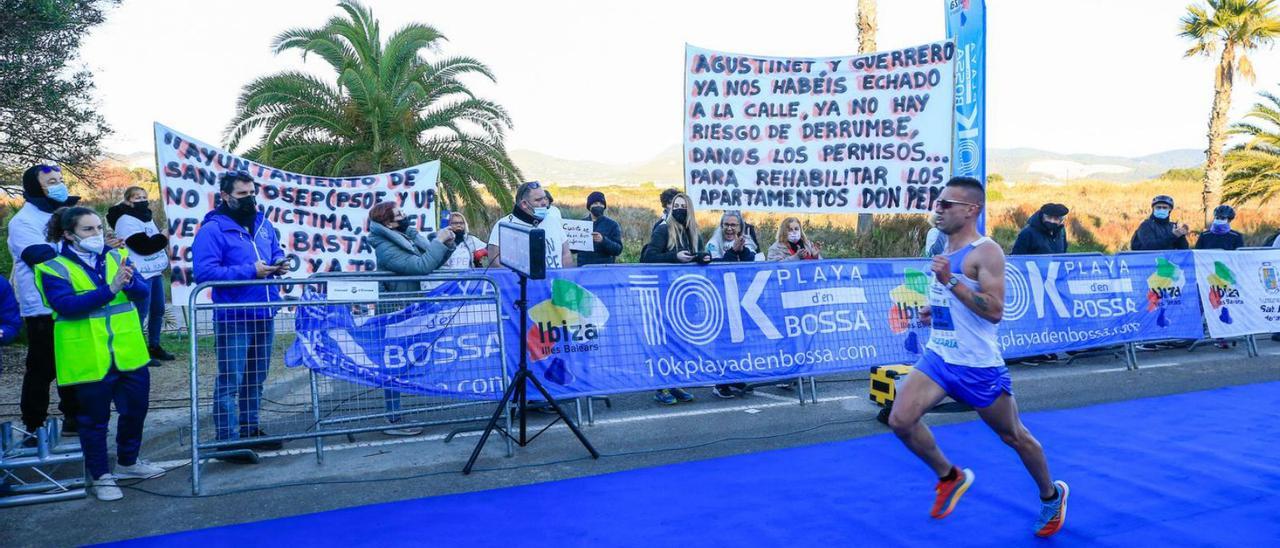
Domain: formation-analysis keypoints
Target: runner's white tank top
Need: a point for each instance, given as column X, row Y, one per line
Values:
column 959, row 335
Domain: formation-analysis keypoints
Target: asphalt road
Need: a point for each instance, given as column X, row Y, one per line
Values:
column 634, row 433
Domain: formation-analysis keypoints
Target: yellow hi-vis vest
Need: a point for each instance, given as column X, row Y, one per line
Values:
column 84, row 348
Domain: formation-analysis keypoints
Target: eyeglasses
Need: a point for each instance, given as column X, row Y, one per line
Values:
column 238, row 174
column 50, row 169
column 944, row 204
column 532, row 185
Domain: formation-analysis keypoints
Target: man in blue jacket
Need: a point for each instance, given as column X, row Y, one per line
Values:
column 606, row 234
column 236, row 243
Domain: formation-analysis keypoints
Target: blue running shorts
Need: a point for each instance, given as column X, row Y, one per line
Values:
column 976, row 386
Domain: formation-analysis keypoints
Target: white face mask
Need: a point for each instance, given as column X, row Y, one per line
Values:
column 793, row 236
column 92, row 244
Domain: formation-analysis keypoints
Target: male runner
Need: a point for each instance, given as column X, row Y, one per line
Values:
column 962, row 359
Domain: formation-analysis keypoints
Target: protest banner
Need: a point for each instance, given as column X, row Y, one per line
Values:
column 867, row 133
column 322, row 221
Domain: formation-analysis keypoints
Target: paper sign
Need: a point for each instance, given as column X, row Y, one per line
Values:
column 578, row 235
column 349, row 291
column 150, row 266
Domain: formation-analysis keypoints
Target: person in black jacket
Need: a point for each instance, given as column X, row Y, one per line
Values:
column 131, row 220
column 1044, row 233
column 606, row 233
column 1158, row 232
column 1220, row 235
column 675, row 240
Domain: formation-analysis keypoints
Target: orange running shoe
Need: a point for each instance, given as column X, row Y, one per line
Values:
column 949, row 493
column 1053, row 514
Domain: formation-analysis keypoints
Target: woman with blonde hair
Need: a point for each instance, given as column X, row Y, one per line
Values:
column 793, row 244
column 675, row 240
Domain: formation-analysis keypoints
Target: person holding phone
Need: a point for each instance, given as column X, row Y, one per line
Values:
column 676, row 240
column 236, row 242
column 1158, row 232
column 97, row 343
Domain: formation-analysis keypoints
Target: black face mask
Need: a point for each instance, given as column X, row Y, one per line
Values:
column 680, row 215
column 247, row 205
column 141, row 210
column 402, row 226
column 597, row 210
column 460, row 232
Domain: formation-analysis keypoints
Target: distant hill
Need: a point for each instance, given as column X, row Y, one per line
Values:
column 665, row 169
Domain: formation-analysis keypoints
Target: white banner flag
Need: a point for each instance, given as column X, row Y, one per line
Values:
column 866, row 133
column 322, row 221
column 1239, row 291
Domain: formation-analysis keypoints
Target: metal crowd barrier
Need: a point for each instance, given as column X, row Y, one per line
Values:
column 298, row 402
column 28, row 473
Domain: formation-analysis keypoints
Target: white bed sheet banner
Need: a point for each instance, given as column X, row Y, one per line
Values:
column 1239, row 291
column 865, row 133
column 323, row 221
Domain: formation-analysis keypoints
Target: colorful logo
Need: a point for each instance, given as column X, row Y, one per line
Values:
column 908, row 299
column 1223, row 291
column 1164, row 288
column 1270, row 277
column 569, row 321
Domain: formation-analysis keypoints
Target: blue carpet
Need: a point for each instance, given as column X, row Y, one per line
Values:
column 1187, row 470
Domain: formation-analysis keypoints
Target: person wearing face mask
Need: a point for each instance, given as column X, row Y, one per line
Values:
column 1044, row 233
column 1220, row 235
column 792, row 244
column 98, row 343
column 44, row 192
column 1157, row 232
column 606, row 234
column 467, row 249
column 675, row 240
column 131, row 220
column 399, row 248
column 533, row 207
column 237, row 243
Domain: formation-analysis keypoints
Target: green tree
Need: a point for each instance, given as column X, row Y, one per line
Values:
column 1235, row 27
column 389, row 107
column 1253, row 167
column 46, row 106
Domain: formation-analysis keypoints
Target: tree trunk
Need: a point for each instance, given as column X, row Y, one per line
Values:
column 866, row 44
column 1213, row 168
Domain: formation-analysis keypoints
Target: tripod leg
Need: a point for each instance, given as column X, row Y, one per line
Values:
column 493, row 422
column 573, row 427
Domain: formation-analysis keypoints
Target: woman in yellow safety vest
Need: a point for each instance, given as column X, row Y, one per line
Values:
column 98, row 345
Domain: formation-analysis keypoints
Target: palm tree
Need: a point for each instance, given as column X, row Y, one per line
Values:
column 389, row 108
column 1236, row 27
column 1253, row 167
column 866, row 44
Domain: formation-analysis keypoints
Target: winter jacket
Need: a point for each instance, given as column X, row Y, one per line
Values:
column 656, row 250
column 72, row 305
column 225, row 251
column 1037, row 238
column 791, row 252
column 140, row 235
column 1230, row 241
column 28, row 247
column 731, row 256
column 610, row 246
column 10, row 316
column 407, row 254
column 1156, row 235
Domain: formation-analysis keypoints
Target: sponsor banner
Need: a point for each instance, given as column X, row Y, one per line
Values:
column 863, row 133
column 967, row 27
column 443, row 349
column 1239, row 291
column 642, row 327
column 322, row 221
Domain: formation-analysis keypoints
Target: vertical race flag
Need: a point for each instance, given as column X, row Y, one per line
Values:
column 967, row 26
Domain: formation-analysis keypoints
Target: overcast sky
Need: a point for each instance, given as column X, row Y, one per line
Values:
column 604, row 80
